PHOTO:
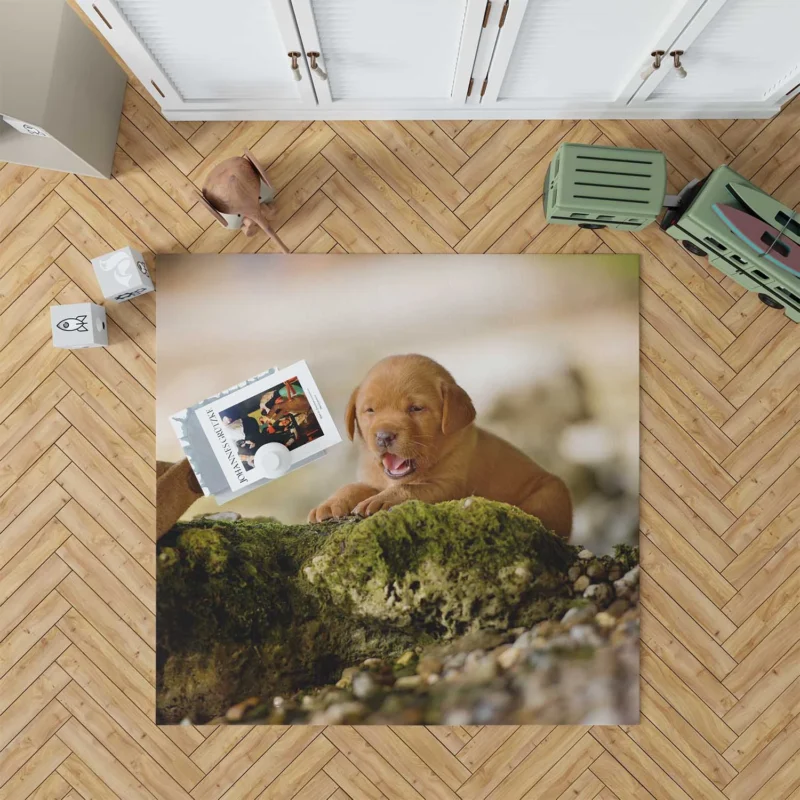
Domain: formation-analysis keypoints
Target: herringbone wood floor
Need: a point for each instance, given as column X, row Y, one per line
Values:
column 720, row 471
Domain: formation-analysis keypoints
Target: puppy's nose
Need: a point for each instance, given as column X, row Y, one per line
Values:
column 385, row 438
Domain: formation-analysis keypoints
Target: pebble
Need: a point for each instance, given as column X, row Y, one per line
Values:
column 432, row 665
column 596, row 571
column 474, row 659
column 601, row 593
column 574, row 572
column 631, row 577
column 509, row 657
column 347, row 677
column 408, row 682
column 605, row 620
column 585, row 555
column 523, row 642
column 618, row 607
column 563, row 641
column 407, row 658
column 235, row 713
column 585, row 635
column 580, row 614
column 455, row 661
column 364, row 686
column 339, row 714
column 622, row 590
column 547, row 628
column 483, row 671
column 581, row 584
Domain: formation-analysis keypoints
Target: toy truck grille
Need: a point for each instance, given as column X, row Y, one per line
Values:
column 594, row 186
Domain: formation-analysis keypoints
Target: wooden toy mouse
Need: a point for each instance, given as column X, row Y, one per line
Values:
column 235, row 192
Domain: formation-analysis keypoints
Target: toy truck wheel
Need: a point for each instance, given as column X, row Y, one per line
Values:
column 769, row 301
column 693, row 248
column 592, row 226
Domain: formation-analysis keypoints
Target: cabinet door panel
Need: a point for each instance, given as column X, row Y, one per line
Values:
column 747, row 52
column 411, row 52
column 578, row 51
column 207, row 53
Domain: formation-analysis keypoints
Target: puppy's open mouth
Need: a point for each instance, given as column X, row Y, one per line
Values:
column 396, row 466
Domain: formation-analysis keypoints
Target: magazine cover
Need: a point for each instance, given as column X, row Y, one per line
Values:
column 223, row 434
column 454, row 541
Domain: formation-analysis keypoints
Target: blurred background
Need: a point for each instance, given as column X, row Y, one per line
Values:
column 547, row 347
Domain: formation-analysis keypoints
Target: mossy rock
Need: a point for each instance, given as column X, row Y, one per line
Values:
column 256, row 607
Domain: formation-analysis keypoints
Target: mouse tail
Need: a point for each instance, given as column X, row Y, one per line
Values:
column 270, row 231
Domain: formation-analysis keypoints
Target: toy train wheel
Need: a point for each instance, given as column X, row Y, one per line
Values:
column 592, row 226
column 769, row 301
column 693, row 248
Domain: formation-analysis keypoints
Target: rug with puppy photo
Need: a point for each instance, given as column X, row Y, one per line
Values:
column 398, row 489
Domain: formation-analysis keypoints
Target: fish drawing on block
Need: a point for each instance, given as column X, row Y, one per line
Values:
column 761, row 237
column 77, row 324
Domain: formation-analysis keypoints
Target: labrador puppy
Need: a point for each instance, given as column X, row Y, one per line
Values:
column 414, row 425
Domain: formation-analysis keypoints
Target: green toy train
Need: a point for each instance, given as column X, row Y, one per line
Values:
column 744, row 232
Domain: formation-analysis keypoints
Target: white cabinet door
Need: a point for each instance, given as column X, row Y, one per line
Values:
column 390, row 55
column 562, row 55
column 740, row 51
column 207, row 54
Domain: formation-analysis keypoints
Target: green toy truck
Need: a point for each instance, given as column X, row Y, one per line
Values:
column 597, row 187
column 696, row 225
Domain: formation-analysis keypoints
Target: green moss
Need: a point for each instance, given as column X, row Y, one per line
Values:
column 443, row 569
column 627, row 555
column 255, row 607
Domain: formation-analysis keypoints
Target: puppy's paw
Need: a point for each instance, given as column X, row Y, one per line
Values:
column 372, row 505
column 330, row 509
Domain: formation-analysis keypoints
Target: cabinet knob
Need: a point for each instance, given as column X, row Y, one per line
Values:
column 651, row 68
column 315, row 68
column 676, row 60
column 296, row 74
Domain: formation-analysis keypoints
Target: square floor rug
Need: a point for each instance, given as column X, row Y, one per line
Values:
column 398, row 489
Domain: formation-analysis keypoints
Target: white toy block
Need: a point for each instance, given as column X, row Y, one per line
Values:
column 122, row 275
column 79, row 325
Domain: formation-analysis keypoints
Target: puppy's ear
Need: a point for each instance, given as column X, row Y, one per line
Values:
column 457, row 408
column 350, row 415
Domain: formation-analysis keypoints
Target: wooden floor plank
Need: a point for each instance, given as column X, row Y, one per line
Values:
column 83, row 781
column 680, row 733
column 159, row 131
column 437, row 143
column 682, row 679
column 110, row 625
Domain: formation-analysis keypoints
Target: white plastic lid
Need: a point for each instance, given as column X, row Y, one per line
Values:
column 273, row 459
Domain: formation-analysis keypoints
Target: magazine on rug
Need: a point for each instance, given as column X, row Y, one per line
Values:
column 283, row 407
